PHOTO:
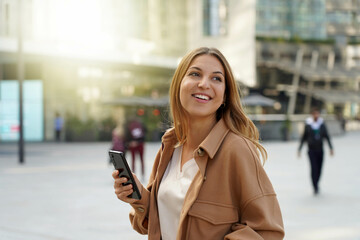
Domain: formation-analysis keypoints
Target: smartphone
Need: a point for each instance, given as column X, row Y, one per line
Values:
column 120, row 163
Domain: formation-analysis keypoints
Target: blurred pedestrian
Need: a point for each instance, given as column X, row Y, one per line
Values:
column 207, row 181
column 135, row 138
column 342, row 121
column 58, row 123
column 118, row 140
column 315, row 132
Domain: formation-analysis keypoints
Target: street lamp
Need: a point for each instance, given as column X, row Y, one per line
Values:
column 20, row 75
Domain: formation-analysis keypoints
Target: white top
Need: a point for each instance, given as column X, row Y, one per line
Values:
column 173, row 188
column 314, row 125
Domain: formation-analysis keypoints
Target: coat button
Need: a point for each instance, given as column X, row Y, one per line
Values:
column 140, row 209
column 200, row 152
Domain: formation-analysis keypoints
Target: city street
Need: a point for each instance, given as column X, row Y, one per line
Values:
column 64, row 191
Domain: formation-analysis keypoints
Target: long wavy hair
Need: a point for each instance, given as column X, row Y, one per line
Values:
column 232, row 111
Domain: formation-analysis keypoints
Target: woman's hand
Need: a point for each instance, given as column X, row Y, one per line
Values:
column 123, row 191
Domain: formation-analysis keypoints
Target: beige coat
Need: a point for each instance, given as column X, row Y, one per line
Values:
column 231, row 196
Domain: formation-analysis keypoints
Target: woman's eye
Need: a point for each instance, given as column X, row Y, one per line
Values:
column 195, row 74
column 217, row 79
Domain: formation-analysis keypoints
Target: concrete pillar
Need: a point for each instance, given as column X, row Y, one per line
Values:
column 314, row 62
column 357, row 83
column 330, row 66
column 331, row 60
column 309, row 94
column 295, row 82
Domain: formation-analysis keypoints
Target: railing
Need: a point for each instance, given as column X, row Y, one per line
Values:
column 283, row 117
column 340, row 5
column 291, row 127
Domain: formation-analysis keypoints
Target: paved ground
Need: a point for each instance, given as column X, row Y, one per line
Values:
column 64, row 192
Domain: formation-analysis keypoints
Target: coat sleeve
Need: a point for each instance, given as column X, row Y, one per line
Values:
column 260, row 220
column 140, row 209
column 259, row 211
column 303, row 138
column 327, row 137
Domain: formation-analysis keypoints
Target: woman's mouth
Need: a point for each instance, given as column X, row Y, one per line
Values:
column 201, row 97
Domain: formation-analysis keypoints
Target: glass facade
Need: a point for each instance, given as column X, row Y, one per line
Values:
column 309, row 19
column 215, row 17
column 32, row 108
column 291, row 18
column 273, row 18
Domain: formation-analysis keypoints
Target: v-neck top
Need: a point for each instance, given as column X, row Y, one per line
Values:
column 172, row 190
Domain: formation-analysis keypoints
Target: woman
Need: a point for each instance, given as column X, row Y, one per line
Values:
column 207, row 180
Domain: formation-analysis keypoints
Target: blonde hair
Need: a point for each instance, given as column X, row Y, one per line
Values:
column 232, row 111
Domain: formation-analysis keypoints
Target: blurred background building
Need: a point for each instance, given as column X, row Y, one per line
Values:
column 308, row 55
column 309, row 51
column 97, row 62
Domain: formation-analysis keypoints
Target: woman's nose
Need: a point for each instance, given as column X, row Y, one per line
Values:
column 204, row 83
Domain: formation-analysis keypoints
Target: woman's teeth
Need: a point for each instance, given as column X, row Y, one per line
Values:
column 203, row 97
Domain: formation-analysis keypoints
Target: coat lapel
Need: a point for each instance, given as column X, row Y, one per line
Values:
column 206, row 151
column 169, row 142
column 190, row 198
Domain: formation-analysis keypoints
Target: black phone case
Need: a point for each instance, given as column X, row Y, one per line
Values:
column 120, row 163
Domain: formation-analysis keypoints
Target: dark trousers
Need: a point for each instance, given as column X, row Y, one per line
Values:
column 316, row 161
column 57, row 135
column 139, row 148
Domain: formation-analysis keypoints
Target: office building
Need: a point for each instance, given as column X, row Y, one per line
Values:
column 308, row 54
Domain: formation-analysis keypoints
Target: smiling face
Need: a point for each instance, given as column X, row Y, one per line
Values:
column 202, row 89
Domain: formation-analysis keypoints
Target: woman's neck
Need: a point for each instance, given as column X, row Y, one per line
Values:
column 197, row 132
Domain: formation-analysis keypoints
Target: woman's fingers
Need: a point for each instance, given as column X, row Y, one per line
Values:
column 118, row 182
column 121, row 188
column 115, row 174
column 122, row 194
column 123, row 191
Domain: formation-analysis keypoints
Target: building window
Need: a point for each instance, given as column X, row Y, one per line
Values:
column 339, row 17
column 5, row 18
column 215, row 17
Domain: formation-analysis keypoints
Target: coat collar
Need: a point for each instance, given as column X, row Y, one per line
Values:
column 207, row 148
column 213, row 141
column 210, row 146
